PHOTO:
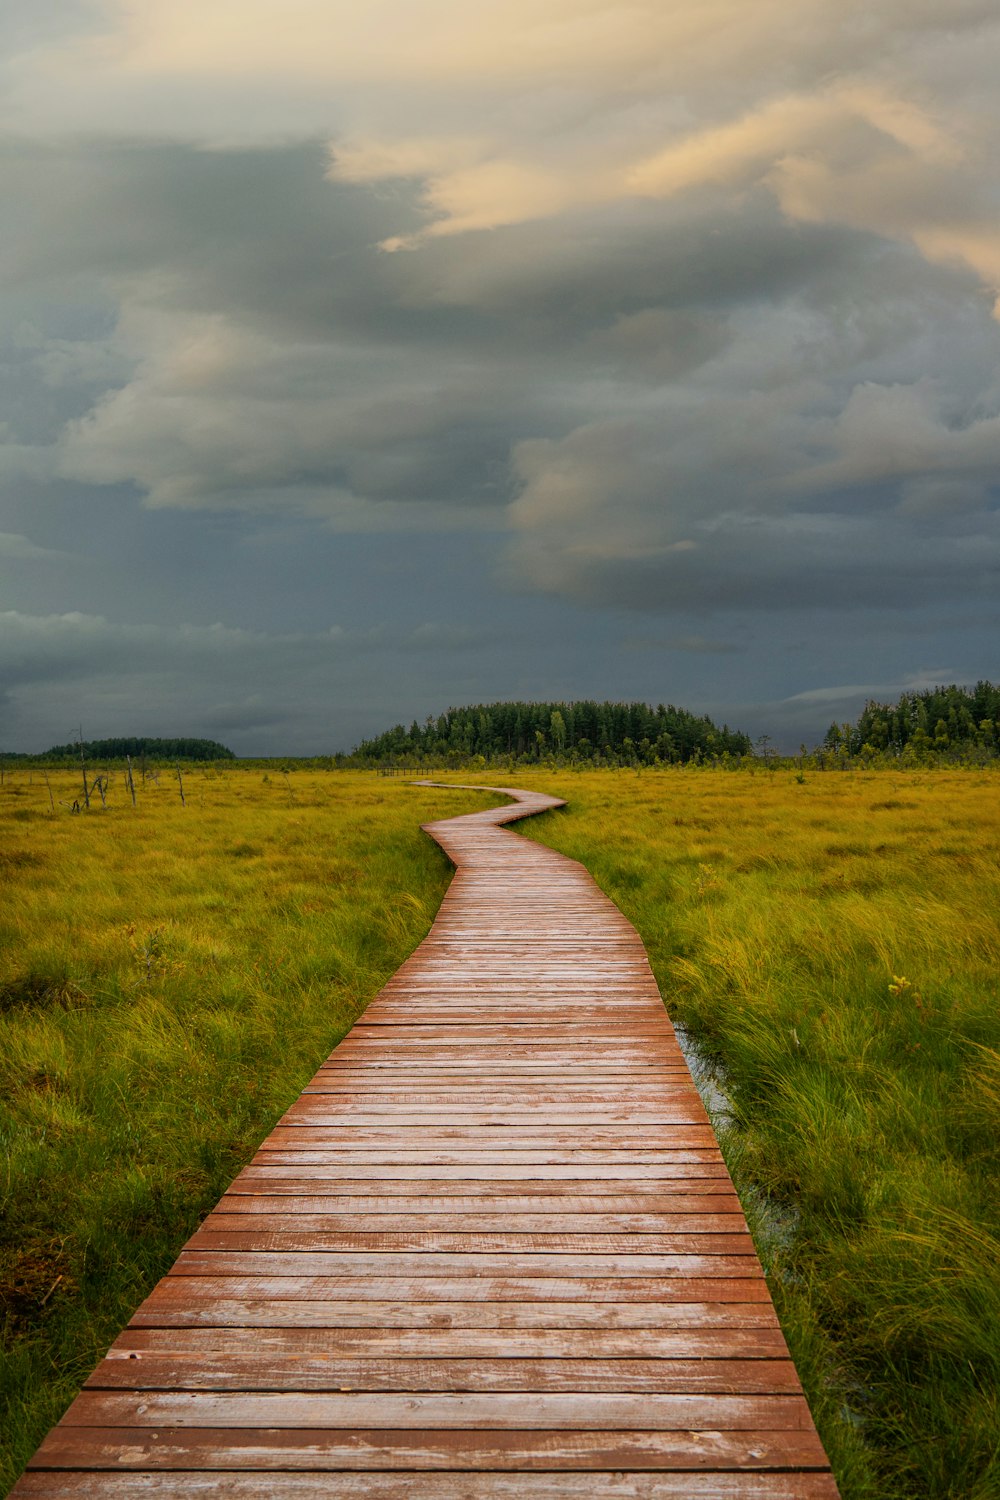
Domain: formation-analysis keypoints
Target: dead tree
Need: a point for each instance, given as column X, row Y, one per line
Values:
column 83, row 768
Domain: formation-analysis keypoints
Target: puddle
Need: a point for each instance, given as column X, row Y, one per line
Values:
column 709, row 1080
column 773, row 1224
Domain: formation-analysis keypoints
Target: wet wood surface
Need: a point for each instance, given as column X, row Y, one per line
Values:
column 492, row 1252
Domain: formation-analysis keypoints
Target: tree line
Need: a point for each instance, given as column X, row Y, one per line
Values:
column 585, row 732
column 185, row 748
column 948, row 725
column 940, row 723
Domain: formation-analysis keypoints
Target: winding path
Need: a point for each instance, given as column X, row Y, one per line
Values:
column 491, row 1253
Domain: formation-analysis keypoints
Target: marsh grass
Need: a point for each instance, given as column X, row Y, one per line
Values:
column 170, row 978
column 833, row 944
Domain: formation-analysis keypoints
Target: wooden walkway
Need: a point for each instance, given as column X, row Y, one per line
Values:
column 491, row 1253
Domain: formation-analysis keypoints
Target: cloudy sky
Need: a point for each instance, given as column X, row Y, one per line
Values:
column 359, row 358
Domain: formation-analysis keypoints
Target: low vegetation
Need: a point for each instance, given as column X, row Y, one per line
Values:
column 832, row 943
column 170, row 978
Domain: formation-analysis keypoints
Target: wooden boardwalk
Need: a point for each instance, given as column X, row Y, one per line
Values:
column 491, row 1253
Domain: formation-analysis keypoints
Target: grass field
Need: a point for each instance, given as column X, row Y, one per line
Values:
column 169, row 977
column 833, row 944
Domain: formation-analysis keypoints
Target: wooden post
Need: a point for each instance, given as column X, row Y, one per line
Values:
column 129, row 778
column 83, row 767
column 180, row 783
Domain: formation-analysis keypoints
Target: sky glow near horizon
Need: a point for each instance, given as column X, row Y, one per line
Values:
column 362, row 360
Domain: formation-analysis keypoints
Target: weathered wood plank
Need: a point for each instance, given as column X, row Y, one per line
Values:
column 413, row 1485
column 301, row 1371
column 554, row 1288
column 215, row 1306
column 682, row 1167
column 333, row 1450
column 288, row 1236
column 495, row 1157
column 627, row 1264
column 311, row 1214
column 448, row 1343
column 535, row 1411
column 307, row 1198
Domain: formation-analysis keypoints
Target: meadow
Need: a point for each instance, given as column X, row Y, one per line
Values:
column 170, row 977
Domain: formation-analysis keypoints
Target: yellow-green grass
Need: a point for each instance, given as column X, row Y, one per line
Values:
column 833, row 945
column 170, row 978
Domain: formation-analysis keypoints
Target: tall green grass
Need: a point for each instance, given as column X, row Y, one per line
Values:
column 170, row 978
column 833, row 945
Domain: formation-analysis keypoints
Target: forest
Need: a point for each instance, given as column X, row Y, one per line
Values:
column 936, row 721
column 585, row 731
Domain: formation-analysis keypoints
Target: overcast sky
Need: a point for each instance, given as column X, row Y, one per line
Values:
column 360, row 358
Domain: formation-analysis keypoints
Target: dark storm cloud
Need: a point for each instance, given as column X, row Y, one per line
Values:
column 262, row 357
column 479, row 334
column 246, row 682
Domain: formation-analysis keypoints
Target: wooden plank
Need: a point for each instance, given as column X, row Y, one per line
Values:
column 594, row 1344
column 535, row 1411
column 554, row 1288
column 684, row 1168
column 288, row 1236
column 609, row 1160
column 425, row 1486
column 528, row 1112
column 310, row 1197
column 520, row 1132
column 627, row 1264
column 492, row 1252
column 336, row 1213
column 215, row 1371
column 634, row 1190
column 333, row 1450
column 217, row 1306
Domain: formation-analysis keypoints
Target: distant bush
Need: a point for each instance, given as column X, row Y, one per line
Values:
column 117, row 749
